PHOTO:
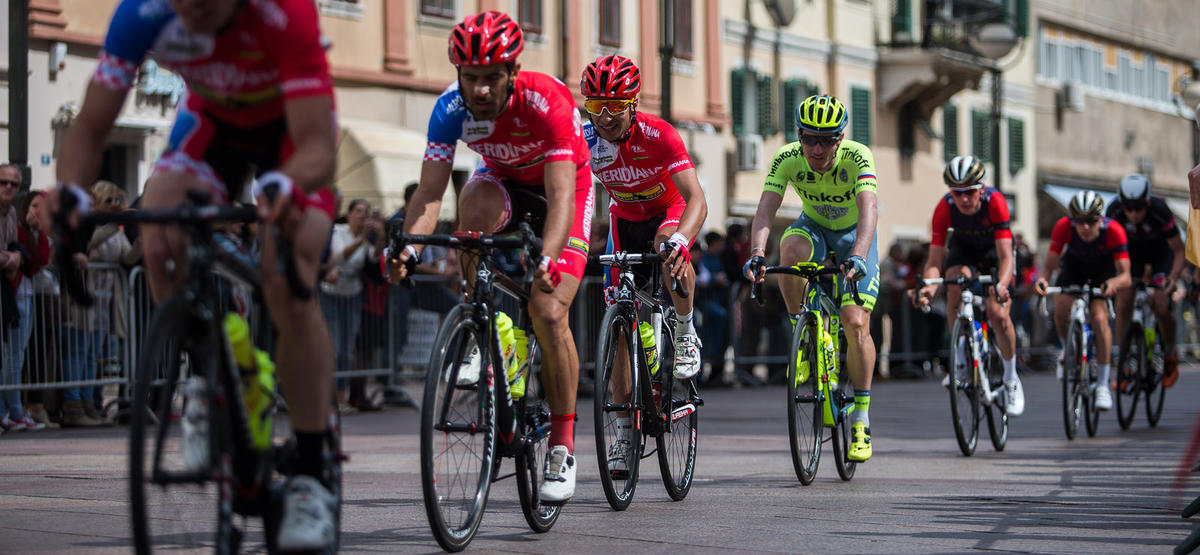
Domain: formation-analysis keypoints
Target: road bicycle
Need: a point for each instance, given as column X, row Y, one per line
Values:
column 1140, row 361
column 1080, row 372
column 468, row 426
column 820, row 393
column 976, row 371
column 655, row 404
column 187, row 362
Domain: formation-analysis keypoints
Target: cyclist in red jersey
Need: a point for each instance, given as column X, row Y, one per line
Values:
column 656, row 203
column 535, row 164
column 259, row 103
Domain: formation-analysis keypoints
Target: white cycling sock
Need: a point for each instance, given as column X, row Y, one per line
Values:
column 1010, row 370
column 623, row 427
column 1104, row 374
column 685, row 323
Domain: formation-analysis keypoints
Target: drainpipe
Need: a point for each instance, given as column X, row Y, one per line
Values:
column 562, row 28
column 831, row 32
column 18, row 87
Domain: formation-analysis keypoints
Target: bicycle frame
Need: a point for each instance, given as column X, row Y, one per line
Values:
column 967, row 303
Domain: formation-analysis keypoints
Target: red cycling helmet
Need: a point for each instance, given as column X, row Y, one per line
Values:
column 485, row 38
column 611, row 77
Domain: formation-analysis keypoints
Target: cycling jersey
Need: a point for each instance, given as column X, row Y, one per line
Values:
column 974, row 237
column 540, row 124
column 1084, row 261
column 830, row 197
column 1148, row 239
column 231, row 120
column 637, row 172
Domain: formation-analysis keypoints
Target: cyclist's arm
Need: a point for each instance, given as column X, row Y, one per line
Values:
column 1050, row 265
column 760, row 230
column 79, row 154
column 1180, row 261
column 1002, row 234
column 1123, row 278
column 1004, row 251
column 868, row 218
column 935, row 263
column 421, row 214
column 697, row 207
column 560, row 206
column 310, row 126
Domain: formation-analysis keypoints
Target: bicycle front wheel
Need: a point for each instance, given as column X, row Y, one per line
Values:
column 805, row 401
column 618, row 448
column 964, row 392
column 1152, row 381
column 677, row 447
column 842, row 399
column 1073, row 383
column 177, row 502
column 997, row 409
column 1130, row 360
column 458, row 441
column 533, row 413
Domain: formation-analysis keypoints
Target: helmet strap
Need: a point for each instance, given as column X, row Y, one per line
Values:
column 628, row 132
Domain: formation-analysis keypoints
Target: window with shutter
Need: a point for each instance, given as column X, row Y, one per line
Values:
column 737, row 100
column 860, row 115
column 981, row 135
column 1016, row 145
column 793, row 93
column 902, row 28
column 949, row 131
column 766, row 113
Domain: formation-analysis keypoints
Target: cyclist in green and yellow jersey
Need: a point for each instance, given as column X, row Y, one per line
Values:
column 836, row 179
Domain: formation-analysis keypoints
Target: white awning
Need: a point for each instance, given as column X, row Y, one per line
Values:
column 376, row 161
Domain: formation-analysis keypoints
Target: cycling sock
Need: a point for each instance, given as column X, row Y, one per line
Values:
column 562, row 431
column 1104, row 368
column 794, row 319
column 310, row 458
column 1010, row 370
column 685, row 323
column 862, row 403
column 623, row 428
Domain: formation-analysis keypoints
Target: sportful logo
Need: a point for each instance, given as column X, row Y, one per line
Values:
column 476, row 130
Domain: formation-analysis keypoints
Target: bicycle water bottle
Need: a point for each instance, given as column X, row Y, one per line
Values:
column 258, row 380
column 983, row 337
column 648, row 345
column 508, row 347
column 1151, row 337
column 516, row 369
column 831, row 370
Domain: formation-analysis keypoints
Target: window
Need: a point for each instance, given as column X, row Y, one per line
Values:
column 610, row 22
column 860, row 115
column 751, row 101
column 683, row 29
column 766, row 98
column 981, row 135
column 438, row 8
column 949, row 132
column 1016, row 145
column 529, row 16
column 741, row 85
column 1051, row 60
column 794, row 92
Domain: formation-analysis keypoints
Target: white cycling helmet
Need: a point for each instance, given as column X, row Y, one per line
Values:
column 963, row 172
column 1085, row 204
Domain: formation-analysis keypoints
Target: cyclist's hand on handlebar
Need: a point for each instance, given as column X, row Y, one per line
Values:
column 755, row 269
column 276, row 210
column 1108, row 288
column 79, row 205
column 1003, row 295
column 925, row 296
column 855, row 267
column 1040, row 286
column 399, row 266
column 674, row 251
column 548, row 275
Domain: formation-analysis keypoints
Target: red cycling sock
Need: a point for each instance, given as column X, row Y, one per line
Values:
column 562, row 431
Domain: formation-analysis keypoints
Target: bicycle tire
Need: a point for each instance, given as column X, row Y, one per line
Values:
column 677, row 446
column 156, row 428
column 964, row 393
column 1091, row 415
column 533, row 414
column 1153, row 381
column 844, row 396
column 455, row 504
column 1071, row 386
column 997, row 410
column 618, row 325
column 805, row 401
column 1130, row 360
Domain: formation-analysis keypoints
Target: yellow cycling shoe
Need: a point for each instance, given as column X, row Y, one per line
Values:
column 801, row 370
column 860, row 445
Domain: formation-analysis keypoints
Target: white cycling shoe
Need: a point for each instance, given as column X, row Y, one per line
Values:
column 1016, row 397
column 194, row 424
column 468, row 371
column 308, row 510
column 687, row 356
column 618, row 457
column 558, row 480
column 1103, row 398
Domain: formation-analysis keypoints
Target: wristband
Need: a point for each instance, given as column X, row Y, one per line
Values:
column 277, row 178
column 83, row 201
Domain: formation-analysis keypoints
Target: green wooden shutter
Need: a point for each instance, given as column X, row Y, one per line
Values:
column 981, row 135
column 949, row 131
column 1016, row 13
column 1016, row 145
column 794, row 91
column 860, row 115
column 737, row 100
column 766, row 110
column 902, row 20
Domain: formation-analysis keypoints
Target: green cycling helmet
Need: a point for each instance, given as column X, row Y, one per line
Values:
column 821, row 113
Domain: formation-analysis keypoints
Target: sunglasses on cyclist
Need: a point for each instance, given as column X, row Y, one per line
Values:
column 964, row 192
column 9, row 183
column 1134, row 207
column 1086, row 220
column 614, row 106
column 825, row 141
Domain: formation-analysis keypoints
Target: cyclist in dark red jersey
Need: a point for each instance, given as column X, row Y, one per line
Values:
column 1090, row 249
column 259, row 104
column 981, row 242
column 1154, row 242
column 526, row 127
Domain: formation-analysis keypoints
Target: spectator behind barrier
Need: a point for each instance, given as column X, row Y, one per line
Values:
column 18, row 260
column 341, row 286
column 712, row 299
column 42, row 353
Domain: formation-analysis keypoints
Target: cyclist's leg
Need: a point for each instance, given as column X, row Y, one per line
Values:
column 1123, row 303
column 621, row 381
column 1103, row 334
column 687, row 344
column 801, row 242
column 483, row 205
column 860, row 349
column 1161, row 303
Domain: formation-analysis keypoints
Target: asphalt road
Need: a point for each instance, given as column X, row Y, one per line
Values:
column 65, row 490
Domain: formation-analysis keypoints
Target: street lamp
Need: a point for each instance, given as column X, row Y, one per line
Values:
column 994, row 41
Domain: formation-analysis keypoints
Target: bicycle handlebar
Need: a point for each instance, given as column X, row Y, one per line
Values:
column 526, row 240
column 1078, row 290
column 807, row 271
column 622, row 259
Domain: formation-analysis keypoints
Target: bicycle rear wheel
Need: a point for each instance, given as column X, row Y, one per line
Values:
column 533, row 413
column 805, row 402
column 997, row 410
column 842, row 399
column 174, row 504
column 1129, row 373
column 1072, row 384
column 458, row 423
column 619, row 481
column 677, row 447
column 964, row 392
column 1152, row 381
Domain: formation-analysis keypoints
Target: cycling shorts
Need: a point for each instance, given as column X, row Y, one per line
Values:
column 528, row 203
column 638, row 237
column 1095, row 275
column 839, row 243
column 225, row 156
column 1160, row 263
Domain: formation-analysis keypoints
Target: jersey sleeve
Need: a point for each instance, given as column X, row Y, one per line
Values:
column 559, row 120
column 293, row 39
column 864, row 163
column 676, row 153
column 445, row 126
column 1118, row 242
column 130, row 35
column 998, row 214
column 781, row 166
column 1060, row 236
column 1113, row 209
column 1168, row 229
column 941, row 223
